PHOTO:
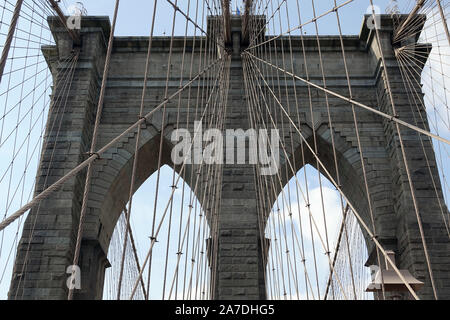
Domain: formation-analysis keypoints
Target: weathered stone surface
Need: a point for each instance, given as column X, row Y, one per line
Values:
column 50, row 230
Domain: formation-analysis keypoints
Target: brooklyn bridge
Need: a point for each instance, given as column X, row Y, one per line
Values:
column 265, row 149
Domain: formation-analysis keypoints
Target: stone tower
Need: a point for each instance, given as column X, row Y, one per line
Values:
column 240, row 269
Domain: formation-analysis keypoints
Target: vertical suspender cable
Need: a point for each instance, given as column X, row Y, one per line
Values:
column 93, row 144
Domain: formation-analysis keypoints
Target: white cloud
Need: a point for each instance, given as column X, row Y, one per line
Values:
column 333, row 214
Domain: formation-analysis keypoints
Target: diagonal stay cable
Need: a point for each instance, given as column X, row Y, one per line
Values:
column 153, row 240
column 87, row 183
column 314, row 224
column 359, row 104
column 47, row 192
column 330, row 177
column 136, row 149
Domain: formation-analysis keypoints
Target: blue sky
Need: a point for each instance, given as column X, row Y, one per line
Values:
column 134, row 20
column 135, row 15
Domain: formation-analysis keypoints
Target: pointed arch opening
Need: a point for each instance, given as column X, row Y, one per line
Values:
column 317, row 249
column 178, row 266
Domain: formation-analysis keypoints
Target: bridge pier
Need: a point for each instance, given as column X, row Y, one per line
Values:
column 240, row 263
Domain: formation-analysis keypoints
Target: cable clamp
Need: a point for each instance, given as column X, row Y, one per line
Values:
column 90, row 154
column 395, row 116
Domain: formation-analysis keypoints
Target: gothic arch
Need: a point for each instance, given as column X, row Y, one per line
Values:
column 351, row 175
column 111, row 179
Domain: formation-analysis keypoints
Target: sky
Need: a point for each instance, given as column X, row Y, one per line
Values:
column 135, row 15
column 134, row 19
